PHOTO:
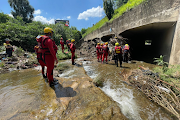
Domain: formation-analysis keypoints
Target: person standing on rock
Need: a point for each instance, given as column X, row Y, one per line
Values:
column 39, row 58
column 62, row 44
column 72, row 48
column 98, row 51
column 101, row 51
column 68, row 44
column 118, row 54
column 125, row 52
column 8, row 47
column 105, row 52
column 49, row 49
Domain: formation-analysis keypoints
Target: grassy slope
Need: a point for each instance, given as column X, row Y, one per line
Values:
column 118, row 12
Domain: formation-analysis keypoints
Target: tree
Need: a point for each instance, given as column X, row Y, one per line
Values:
column 23, row 9
column 108, row 8
column 119, row 3
column 83, row 30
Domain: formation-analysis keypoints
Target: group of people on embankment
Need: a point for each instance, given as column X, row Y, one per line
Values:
column 46, row 53
column 120, row 54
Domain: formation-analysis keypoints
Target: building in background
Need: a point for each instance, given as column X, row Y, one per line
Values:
column 64, row 22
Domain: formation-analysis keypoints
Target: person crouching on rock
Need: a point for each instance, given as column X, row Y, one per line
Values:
column 98, row 51
column 49, row 49
column 8, row 47
column 39, row 58
column 105, row 52
column 72, row 48
column 62, row 44
column 118, row 53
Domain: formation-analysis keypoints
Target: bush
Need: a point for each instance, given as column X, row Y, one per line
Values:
column 19, row 51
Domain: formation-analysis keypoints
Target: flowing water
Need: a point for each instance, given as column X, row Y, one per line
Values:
column 133, row 103
column 25, row 95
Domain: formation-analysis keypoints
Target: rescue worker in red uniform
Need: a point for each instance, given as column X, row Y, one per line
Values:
column 118, row 54
column 62, row 44
column 39, row 58
column 101, row 51
column 68, row 44
column 98, row 51
column 49, row 49
column 125, row 53
column 105, row 52
column 72, row 48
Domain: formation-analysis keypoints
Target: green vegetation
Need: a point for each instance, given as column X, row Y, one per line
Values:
column 118, row 12
column 23, row 34
column 22, row 8
column 63, row 56
column 161, row 62
column 2, row 65
column 171, row 75
column 108, row 8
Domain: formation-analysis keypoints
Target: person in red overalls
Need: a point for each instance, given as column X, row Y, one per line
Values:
column 39, row 58
column 49, row 49
column 125, row 51
column 98, row 51
column 118, row 53
column 68, row 44
column 72, row 48
column 101, row 51
column 62, row 44
column 105, row 52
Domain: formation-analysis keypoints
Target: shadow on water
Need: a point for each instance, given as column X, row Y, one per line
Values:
column 63, row 92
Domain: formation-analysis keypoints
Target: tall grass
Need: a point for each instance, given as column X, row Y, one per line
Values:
column 118, row 12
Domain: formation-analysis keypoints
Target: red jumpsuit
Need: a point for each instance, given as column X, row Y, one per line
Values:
column 49, row 49
column 39, row 58
column 101, row 52
column 98, row 51
column 62, row 45
column 72, row 48
column 105, row 52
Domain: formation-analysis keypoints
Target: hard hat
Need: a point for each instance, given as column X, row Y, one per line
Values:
column 115, row 37
column 98, row 43
column 48, row 30
column 69, row 39
column 101, row 43
column 106, row 43
column 117, row 44
column 72, row 40
column 126, row 44
column 7, row 39
column 61, row 38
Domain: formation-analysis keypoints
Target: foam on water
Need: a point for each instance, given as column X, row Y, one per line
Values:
column 125, row 98
column 66, row 74
column 90, row 72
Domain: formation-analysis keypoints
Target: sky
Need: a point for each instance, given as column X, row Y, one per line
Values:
column 80, row 13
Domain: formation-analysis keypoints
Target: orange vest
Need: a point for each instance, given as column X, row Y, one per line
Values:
column 118, row 49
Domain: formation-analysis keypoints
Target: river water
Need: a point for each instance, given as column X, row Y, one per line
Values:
column 24, row 94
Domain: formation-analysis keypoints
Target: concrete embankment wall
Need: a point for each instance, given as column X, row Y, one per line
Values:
column 149, row 12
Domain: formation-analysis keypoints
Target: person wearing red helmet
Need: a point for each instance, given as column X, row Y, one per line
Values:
column 62, row 44
column 72, row 48
column 105, row 52
column 49, row 49
column 98, row 51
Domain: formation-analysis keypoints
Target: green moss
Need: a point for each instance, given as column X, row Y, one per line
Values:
column 117, row 13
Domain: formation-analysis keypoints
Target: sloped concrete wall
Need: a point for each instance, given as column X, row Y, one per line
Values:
column 152, row 11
